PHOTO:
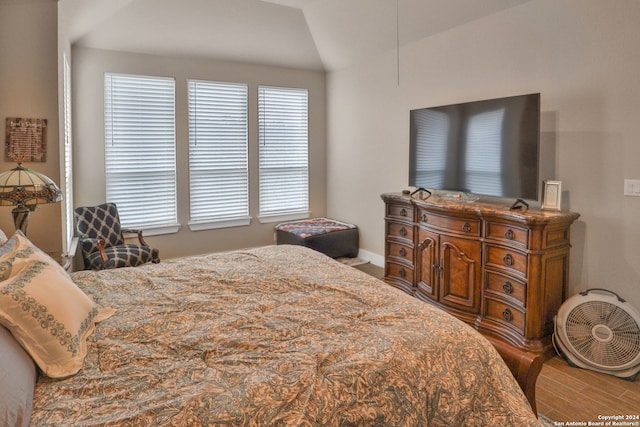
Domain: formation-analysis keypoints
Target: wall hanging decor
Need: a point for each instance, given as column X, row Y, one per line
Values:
column 26, row 140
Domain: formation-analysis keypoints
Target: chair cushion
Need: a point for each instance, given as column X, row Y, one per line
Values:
column 123, row 256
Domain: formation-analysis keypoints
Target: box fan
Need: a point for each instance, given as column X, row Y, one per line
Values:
column 598, row 330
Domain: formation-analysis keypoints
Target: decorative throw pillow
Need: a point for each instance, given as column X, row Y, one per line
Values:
column 44, row 310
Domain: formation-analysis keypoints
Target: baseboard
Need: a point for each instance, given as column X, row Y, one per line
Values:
column 372, row 257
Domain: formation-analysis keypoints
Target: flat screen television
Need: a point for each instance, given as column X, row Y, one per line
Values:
column 486, row 148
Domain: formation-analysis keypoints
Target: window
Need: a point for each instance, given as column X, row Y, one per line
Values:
column 140, row 151
column 67, row 188
column 218, row 155
column 283, row 153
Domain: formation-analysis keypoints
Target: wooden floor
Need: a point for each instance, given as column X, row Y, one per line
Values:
column 565, row 394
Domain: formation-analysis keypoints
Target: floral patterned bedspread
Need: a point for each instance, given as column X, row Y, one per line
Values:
column 280, row 336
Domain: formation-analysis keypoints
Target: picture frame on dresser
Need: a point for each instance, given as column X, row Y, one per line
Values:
column 552, row 196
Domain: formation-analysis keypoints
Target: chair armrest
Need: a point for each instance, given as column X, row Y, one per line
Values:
column 138, row 233
column 103, row 254
column 88, row 245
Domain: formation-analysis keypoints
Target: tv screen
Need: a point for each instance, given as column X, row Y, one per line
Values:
column 487, row 147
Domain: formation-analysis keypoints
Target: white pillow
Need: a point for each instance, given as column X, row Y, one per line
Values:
column 17, row 382
column 44, row 310
column 3, row 237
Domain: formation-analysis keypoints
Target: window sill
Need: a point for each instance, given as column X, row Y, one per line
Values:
column 284, row 217
column 225, row 223
column 156, row 231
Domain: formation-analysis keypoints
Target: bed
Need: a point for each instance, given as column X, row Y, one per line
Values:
column 278, row 335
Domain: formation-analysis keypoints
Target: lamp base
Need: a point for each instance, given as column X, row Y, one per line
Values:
column 21, row 218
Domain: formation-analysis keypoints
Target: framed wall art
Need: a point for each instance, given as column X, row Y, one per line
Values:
column 26, row 140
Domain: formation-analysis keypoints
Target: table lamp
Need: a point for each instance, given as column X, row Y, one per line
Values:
column 26, row 189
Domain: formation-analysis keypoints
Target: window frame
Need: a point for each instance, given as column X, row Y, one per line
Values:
column 291, row 131
column 118, row 131
column 227, row 134
column 68, row 224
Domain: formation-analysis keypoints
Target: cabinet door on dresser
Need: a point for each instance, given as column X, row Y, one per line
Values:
column 448, row 270
column 427, row 265
column 460, row 273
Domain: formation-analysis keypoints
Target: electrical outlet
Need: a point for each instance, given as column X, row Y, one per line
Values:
column 632, row 187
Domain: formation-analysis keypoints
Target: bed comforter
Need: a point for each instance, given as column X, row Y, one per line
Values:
column 281, row 336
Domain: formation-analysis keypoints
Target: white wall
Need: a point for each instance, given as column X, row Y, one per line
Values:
column 582, row 55
column 29, row 88
column 88, row 68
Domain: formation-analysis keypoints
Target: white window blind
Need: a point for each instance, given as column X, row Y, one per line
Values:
column 140, row 150
column 218, row 155
column 283, row 153
column 67, row 156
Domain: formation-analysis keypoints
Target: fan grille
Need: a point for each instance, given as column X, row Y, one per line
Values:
column 603, row 334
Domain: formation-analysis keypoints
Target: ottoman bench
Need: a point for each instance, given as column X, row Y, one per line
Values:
column 333, row 238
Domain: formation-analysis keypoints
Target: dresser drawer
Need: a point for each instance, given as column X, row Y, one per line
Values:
column 504, row 313
column 398, row 271
column 403, row 252
column 400, row 211
column 508, row 234
column 466, row 226
column 501, row 284
column 400, row 230
column 506, row 259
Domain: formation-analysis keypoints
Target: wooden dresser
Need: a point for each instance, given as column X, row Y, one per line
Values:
column 503, row 272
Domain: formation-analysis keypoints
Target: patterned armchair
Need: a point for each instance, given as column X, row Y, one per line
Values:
column 102, row 240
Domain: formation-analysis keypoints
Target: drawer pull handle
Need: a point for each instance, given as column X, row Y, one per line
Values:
column 466, row 227
column 403, row 232
column 437, row 269
column 403, row 252
column 507, row 315
column 510, row 234
column 508, row 260
column 507, row 287
column 403, row 273
column 403, row 212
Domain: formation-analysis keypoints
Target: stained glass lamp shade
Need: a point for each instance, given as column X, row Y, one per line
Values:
column 26, row 189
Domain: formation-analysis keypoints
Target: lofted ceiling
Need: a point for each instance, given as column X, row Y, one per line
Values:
column 307, row 34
